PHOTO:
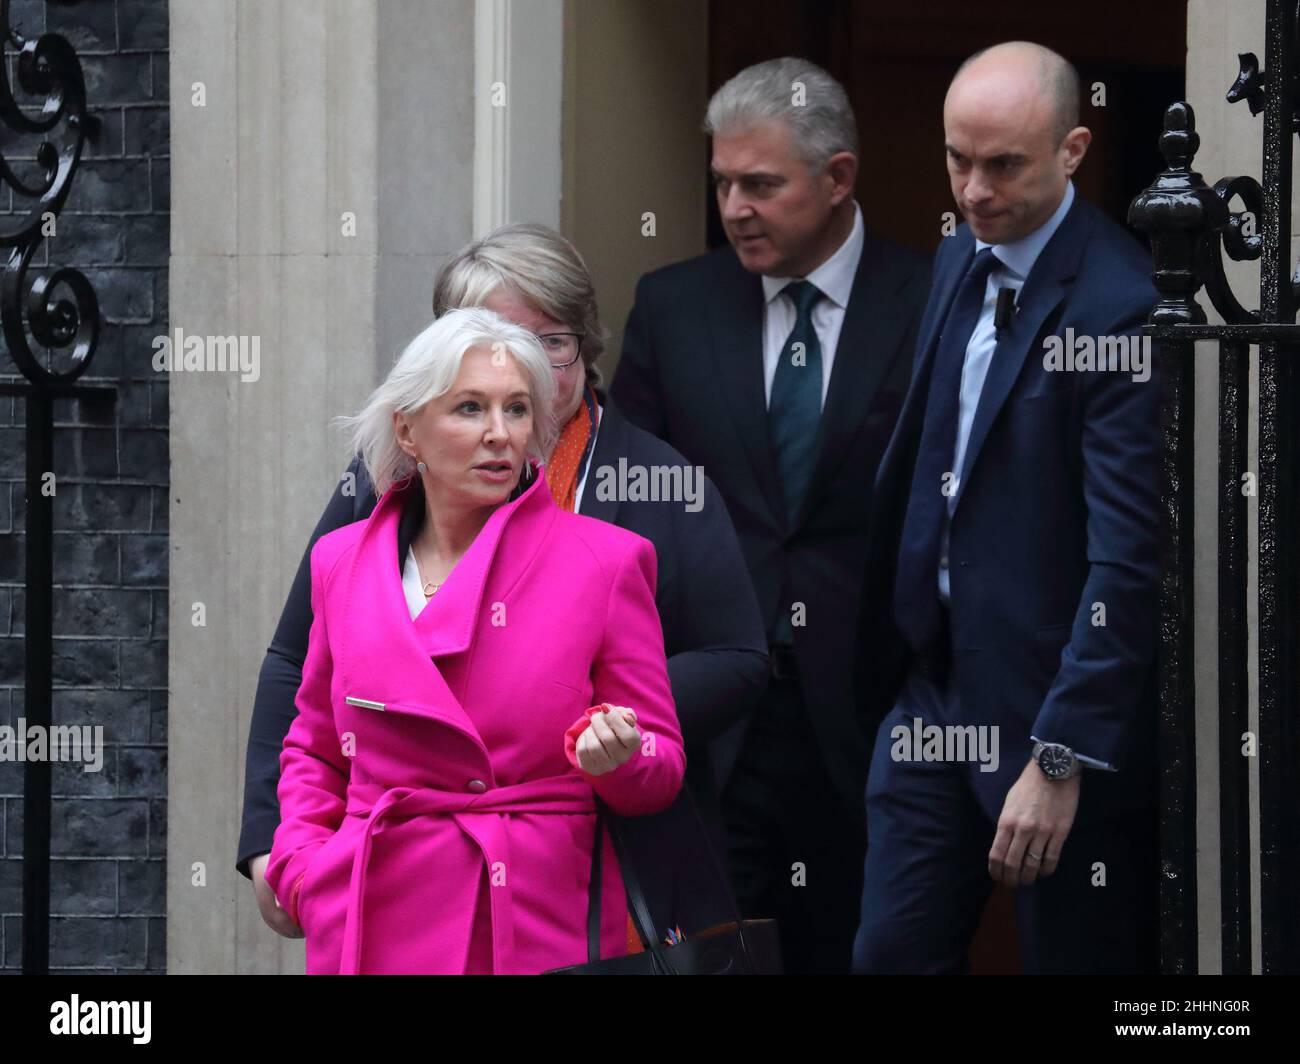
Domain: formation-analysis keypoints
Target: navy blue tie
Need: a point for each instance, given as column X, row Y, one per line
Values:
column 916, row 589
column 792, row 415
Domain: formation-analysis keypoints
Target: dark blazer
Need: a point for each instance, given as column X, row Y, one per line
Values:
column 717, row 666
column 692, row 373
column 1056, row 511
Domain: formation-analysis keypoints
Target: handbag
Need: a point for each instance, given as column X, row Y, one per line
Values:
column 742, row 947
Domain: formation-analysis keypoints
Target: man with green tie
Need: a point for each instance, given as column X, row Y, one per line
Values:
column 779, row 364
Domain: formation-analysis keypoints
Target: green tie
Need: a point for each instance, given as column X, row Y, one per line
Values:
column 793, row 412
column 796, row 401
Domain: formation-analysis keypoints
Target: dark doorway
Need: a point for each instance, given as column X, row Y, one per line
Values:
column 896, row 61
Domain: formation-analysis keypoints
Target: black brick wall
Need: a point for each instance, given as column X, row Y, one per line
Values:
column 108, row 892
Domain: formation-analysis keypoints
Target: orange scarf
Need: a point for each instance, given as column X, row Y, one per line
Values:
column 571, row 452
column 562, row 473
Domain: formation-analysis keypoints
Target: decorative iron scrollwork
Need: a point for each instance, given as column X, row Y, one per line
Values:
column 58, row 306
column 1238, row 235
column 1249, row 85
column 1192, row 226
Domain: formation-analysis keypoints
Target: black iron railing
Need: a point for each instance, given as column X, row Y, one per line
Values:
column 50, row 322
column 1191, row 227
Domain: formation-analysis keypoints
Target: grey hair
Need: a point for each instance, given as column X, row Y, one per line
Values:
column 538, row 265
column 427, row 368
column 813, row 104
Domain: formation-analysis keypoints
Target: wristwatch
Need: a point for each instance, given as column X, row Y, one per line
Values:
column 1056, row 760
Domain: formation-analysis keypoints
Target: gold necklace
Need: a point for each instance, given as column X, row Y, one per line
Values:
column 424, row 584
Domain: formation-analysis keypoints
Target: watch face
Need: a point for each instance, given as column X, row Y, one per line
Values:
column 1055, row 761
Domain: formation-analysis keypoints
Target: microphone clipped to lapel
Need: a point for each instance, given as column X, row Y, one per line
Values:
column 1006, row 309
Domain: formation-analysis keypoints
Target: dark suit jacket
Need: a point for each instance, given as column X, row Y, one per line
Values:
column 717, row 666
column 692, row 373
column 1056, row 511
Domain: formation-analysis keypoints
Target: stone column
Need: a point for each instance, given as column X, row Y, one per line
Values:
column 322, row 169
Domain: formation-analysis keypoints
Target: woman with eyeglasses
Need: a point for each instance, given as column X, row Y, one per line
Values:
column 713, row 632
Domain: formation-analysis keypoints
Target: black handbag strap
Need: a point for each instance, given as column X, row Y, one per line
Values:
column 637, row 905
column 593, row 889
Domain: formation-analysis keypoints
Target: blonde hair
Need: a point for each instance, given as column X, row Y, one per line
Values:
column 427, row 368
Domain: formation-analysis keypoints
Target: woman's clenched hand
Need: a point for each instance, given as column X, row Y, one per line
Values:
column 609, row 740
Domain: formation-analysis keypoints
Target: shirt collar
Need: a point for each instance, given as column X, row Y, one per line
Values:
column 1020, row 255
column 834, row 277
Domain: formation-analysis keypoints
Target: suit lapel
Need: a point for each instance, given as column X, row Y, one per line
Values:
column 611, row 442
column 865, row 351
column 736, row 333
column 906, row 435
column 1043, row 291
column 945, row 291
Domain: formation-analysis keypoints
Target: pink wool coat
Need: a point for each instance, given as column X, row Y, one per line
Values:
column 431, row 821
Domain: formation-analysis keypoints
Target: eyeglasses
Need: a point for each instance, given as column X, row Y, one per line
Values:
column 562, row 345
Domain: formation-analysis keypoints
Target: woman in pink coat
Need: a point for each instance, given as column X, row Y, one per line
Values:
column 437, row 787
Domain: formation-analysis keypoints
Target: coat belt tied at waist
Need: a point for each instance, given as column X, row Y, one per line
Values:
column 552, row 794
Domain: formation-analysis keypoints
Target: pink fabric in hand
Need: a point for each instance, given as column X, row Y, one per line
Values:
column 577, row 728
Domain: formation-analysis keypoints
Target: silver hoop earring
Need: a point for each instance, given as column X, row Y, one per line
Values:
column 421, row 467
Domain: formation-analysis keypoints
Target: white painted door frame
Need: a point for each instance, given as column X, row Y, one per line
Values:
column 518, row 80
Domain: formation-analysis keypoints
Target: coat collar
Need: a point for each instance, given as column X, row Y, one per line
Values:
column 378, row 625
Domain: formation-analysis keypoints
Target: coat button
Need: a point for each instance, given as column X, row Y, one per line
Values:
column 477, row 786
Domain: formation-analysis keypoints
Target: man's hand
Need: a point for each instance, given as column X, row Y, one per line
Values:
column 269, row 905
column 1036, row 819
column 608, row 741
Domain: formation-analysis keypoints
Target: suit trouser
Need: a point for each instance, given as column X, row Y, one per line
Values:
column 794, row 852
column 926, row 877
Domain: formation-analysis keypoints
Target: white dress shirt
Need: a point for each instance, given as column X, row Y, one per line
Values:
column 411, row 586
column 834, row 278
column 414, row 589
column 1014, row 261
column 582, row 480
